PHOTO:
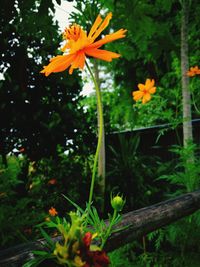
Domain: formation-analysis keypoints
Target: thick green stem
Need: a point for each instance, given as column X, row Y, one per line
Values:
column 100, row 133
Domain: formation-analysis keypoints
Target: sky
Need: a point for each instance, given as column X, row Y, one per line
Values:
column 62, row 13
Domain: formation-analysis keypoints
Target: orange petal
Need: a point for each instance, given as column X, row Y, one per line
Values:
column 101, row 27
column 95, row 26
column 195, row 68
column 141, row 87
column 149, row 83
column 190, row 73
column 137, row 95
column 152, row 82
column 109, row 38
column 152, row 90
column 58, row 64
column 146, row 98
column 101, row 54
column 78, row 62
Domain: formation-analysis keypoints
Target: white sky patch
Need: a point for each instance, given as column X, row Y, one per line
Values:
column 88, row 88
column 1, row 76
column 62, row 13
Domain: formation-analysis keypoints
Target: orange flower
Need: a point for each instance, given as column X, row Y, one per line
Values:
column 193, row 71
column 53, row 211
column 145, row 91
column 52, row 181
column 79, row 45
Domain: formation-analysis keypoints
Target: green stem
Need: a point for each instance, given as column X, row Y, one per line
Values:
column 194, row 103
column 144, row 244
column 100, row 133
column 109, row 229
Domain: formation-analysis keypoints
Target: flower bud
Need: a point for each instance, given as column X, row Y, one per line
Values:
column 117, row 203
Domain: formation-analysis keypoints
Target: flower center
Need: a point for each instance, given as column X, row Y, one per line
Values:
column 72, row 33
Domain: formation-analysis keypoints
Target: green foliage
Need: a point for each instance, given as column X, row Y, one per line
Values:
column 29, row 189
column 183, row 235
column 15, row 205
column 122, row 257
column 9, row 175
column 127, row 256
column 98, row 226
column 186, row 171
column 127, row 164
column 63, row 252
column 102, row 229
column 68, row 172
column 178, row 242
column 158, row 237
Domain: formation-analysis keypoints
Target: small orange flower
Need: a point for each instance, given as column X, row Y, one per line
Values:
column 53, row 211
column 52, row 181
column 145, row 91
column 21, row 150
column 79, row 45
column 193, row 71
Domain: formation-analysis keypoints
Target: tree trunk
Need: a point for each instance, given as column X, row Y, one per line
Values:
column 187, row 117
column 101, row 158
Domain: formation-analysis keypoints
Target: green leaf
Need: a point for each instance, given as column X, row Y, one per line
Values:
column 40, row 252
column 47, row 237
column 74, row 204
column 35, row 262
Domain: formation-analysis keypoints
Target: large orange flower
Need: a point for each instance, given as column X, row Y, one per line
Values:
column 145, row 91
column 193, row 71
column 79, row 45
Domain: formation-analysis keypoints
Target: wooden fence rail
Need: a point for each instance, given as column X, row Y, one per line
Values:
column 137, row 223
